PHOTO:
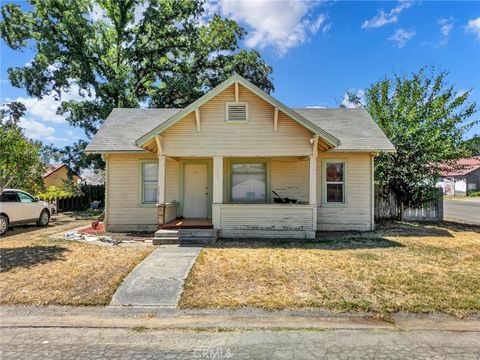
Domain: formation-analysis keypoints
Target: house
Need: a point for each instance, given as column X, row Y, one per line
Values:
column 57, row 175
column 461, row 178
column 221, row 157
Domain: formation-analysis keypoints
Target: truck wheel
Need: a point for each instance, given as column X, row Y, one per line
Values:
column 44, row 218
column 3, row 224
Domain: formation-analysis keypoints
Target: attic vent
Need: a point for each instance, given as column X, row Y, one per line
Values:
column 237, row 111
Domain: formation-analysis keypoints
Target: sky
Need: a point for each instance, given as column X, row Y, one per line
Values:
column 318, row 51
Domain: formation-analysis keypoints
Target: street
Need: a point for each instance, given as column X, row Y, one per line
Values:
column 109, row 343
column 463, row 211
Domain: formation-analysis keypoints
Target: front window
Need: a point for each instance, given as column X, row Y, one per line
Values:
column 249, row 183
column 335, row 182
column 149, row 183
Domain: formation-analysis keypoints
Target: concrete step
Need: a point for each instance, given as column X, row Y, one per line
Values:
column 165, row 240
column 166, row 233
column 198, row 240
column 200, row 233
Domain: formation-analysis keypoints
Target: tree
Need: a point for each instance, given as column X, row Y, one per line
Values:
column 472, row 146
column 20, row 163
column 123, row 53
column 426, row 120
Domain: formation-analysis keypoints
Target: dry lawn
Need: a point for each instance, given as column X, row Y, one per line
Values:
column 400, row 267
column 36, row 270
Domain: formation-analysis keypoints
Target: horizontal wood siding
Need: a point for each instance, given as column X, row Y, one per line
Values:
column 253, row 138
column 356, row 214
column 124, row 210
column 266, row 217
column 290, row 177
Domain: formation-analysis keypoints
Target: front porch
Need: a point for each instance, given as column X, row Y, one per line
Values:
column 234, row 196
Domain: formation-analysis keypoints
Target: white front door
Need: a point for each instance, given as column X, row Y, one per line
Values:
column 195, row 191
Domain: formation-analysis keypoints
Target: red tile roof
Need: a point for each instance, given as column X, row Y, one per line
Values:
column 462, row 167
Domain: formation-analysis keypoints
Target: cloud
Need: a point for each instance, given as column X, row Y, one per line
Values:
column 280, row 24
column 316, row 107
column 359, row 93
column 36, row 130
column 46, row 108
column 383, row 18
column 402, row 36
column 446, row 26
column 473, row 27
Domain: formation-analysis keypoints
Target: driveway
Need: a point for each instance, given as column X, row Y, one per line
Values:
column 465, row 211
column 158, row 280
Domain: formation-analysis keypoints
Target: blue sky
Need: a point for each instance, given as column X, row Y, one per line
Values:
column 319, row 50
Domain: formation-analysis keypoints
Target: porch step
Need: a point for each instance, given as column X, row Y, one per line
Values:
column 185, row 236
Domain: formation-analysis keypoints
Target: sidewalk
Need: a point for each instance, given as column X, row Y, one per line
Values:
column 146, row 317
column 157, row 280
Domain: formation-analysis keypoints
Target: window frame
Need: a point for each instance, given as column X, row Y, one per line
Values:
column 247, row 112
column 325, row 163
column 141, row 192
column 266, row 163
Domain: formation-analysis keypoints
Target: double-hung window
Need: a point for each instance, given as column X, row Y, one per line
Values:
column 334, row 182
column 149, row 182
column 249, row 182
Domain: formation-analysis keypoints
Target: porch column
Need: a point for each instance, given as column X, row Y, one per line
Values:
column 161, row 180
column 313, row 180
column 217, row 190
column 218, row 179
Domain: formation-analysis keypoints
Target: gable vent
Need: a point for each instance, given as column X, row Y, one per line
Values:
column 237, row 111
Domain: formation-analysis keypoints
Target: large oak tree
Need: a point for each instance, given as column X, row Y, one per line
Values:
column 125, row 53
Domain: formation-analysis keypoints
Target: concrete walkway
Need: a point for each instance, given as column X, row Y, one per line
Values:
column 157, row 280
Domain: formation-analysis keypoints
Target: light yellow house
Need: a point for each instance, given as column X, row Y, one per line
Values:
column 57, row 175
column 222, row 157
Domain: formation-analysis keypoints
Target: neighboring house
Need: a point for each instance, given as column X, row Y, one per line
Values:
column 221, row 157
column 57, row 175
column 461, row 178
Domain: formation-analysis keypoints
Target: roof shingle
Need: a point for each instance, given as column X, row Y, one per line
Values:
column 353, row 127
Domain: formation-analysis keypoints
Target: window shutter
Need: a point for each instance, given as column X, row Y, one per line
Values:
column 237, row 112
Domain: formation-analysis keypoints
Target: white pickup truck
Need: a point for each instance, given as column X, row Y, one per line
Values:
column 18, row 207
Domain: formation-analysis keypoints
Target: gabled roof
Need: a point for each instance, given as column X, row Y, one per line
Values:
column 52, row 168
column 123, row 126
column 354, row 127
column 328, row 138
column 462, row 167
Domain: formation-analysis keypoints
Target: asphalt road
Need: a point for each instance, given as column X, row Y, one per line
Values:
column 91, row 343
column 463, row 211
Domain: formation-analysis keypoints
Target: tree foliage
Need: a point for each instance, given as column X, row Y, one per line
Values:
column 54, row 193
column 125, row 53
column 20, row 163
column 426, row 119
column 472, row 146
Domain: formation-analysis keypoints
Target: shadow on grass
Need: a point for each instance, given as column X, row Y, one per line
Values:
column 27, row 256
column 413, row 229
column 340, row 243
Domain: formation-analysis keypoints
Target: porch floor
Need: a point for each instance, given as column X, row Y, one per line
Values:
column 188, row 224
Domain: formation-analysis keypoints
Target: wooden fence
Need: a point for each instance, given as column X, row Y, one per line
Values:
column 386, row 207
column 90, row 193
